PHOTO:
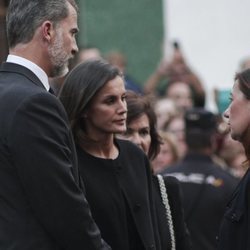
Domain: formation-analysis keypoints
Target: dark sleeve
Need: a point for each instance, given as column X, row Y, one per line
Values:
column 182, row 236
column 153, row 209
column 248, row 208
column 40, row 145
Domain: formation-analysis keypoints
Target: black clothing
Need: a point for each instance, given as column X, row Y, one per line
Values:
column 42, row 205
column 235, row 226
column 206, row 189
column 182, row 237
column 119, row 192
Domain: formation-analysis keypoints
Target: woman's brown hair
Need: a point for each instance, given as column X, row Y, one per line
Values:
column 138, row 105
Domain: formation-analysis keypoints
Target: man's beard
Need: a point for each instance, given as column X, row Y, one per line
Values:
column 59, row 57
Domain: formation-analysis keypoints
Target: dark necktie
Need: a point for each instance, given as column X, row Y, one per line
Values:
column 51, row 91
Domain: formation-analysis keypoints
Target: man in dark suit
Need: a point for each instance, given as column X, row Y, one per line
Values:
column 42, row 204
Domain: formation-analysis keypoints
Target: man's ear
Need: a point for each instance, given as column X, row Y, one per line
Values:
column 48, row 31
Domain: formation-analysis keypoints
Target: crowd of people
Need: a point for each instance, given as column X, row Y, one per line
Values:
column 90, row 159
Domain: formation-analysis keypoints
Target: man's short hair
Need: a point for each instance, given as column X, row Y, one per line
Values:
column 25, row 16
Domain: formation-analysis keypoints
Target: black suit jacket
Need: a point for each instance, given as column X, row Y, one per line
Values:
column 42, row 205
column 235, row 226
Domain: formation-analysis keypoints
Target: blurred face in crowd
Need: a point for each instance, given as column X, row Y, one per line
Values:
column 138, row 132
column 63, row 45
column 107, row 111
column 89, row 54
column 238, row 113
column 164, row 109
column 181, row 94
column 164, row 158
column 176, row 127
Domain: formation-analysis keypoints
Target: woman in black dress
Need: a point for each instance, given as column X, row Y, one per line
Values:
column 116, row 173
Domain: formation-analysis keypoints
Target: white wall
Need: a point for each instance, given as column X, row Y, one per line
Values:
column 214, row 35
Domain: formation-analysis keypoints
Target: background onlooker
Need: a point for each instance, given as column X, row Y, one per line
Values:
column 168, row 154
column 176, row 127
column 165, row 109
column 87, row 53
column 119, row 60
column 181, row 94
column 176, row 70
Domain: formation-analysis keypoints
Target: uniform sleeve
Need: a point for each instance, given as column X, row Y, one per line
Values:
column 40, row 146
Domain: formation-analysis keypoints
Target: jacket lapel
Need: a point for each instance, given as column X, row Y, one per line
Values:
column 19, row 69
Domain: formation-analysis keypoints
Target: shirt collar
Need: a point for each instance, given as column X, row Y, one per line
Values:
column 31, row 66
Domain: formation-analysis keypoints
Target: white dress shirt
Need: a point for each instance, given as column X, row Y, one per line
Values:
column 31, row 66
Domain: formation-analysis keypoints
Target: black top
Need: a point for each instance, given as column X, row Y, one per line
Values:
column 234, row 231
column 120, row 196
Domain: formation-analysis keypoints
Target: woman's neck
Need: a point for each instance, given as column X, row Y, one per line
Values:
column 103, row 147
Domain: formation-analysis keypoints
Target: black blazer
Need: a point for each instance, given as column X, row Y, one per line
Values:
column 42, row 205
column 235, row 226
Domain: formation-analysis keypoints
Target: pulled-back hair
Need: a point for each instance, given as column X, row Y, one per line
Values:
column 79, row 88
column 25, row 16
